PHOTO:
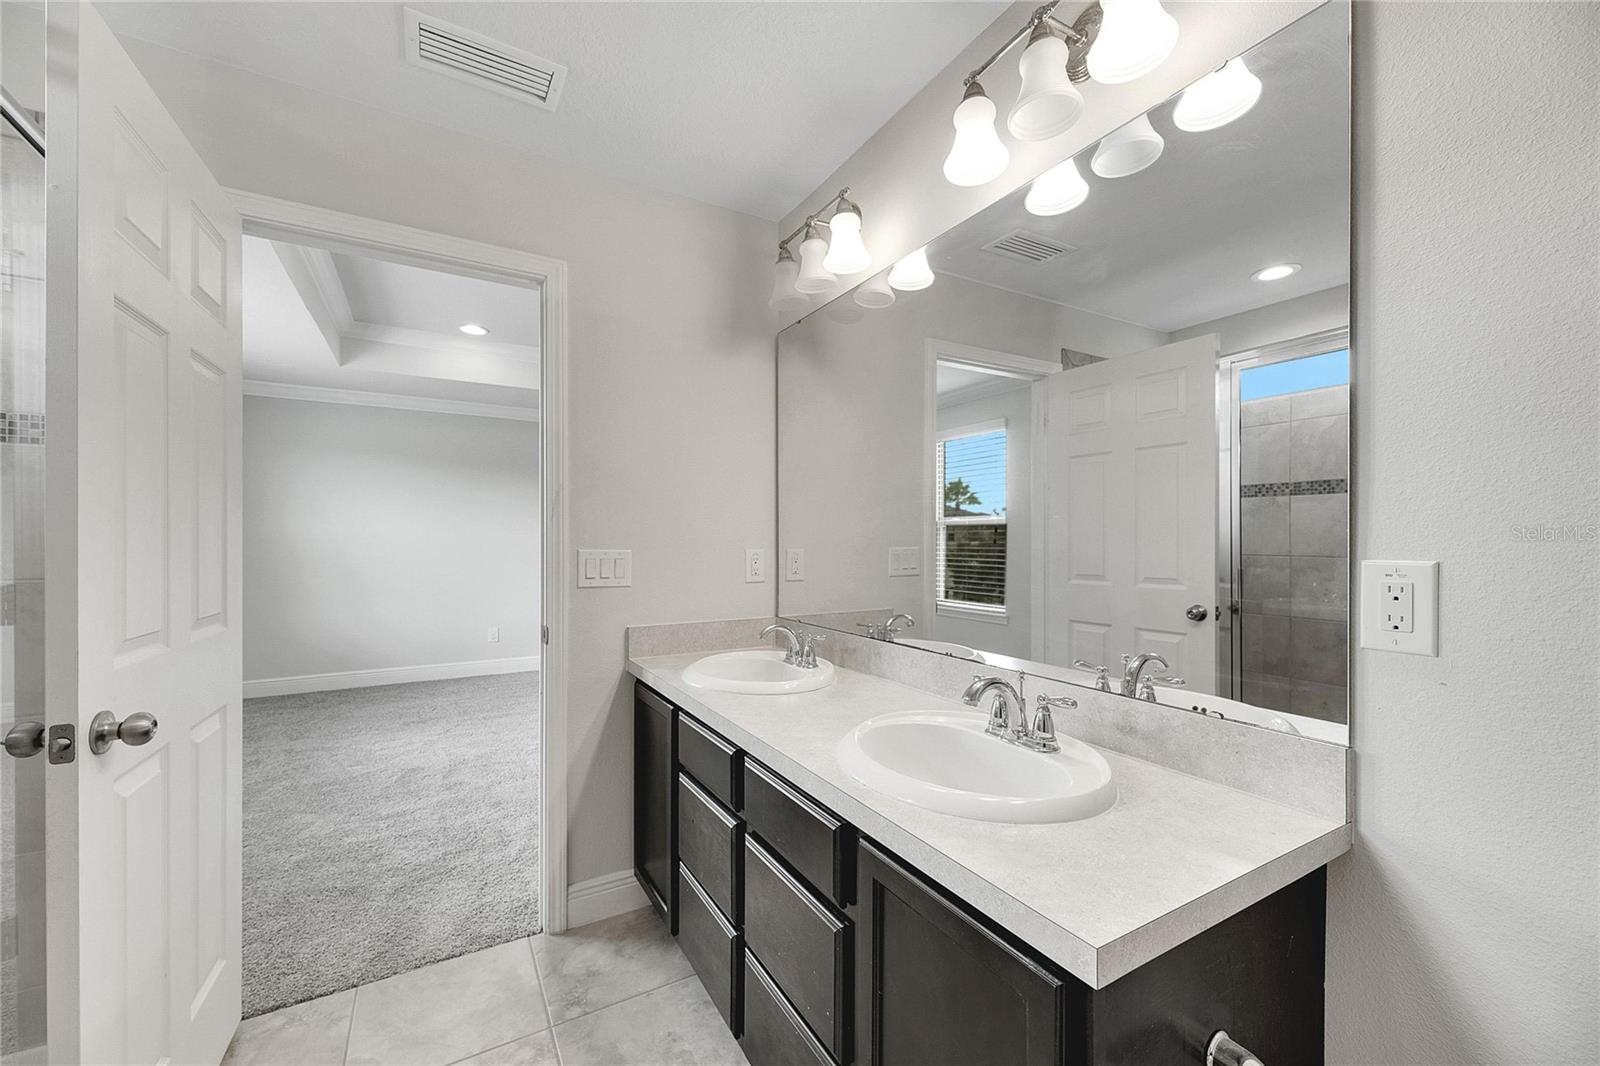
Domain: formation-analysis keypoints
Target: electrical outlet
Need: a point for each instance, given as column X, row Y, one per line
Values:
column 494, row 634
column 604, row 569
column 755, row 565
column 794, row 564
column 1400, row 606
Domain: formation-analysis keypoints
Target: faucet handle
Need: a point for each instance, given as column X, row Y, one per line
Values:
column 1147, row 685
column 808, row 648
column 872, row 628
column 1056, row 702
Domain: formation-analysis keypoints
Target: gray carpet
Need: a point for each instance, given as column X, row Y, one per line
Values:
column 384, row 829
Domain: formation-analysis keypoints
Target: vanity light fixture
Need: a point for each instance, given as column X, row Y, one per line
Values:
column 814, row 277
column 847, row 254
column 977, row 155
column 1048, row 103
column 1218, row 98
column 1128, row 150
column 912, row 273
column 1277, row 272
column 875, row 292
column 472, row 329
column 1136, row 37
column 785, row 297
column 1058, row 190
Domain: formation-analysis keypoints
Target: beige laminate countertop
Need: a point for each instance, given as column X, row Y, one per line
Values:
column 1101, row 896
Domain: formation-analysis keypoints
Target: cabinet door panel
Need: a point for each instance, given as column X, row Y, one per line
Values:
column 817, row 843
column 773, row 1033
column 712, row 945
column 933, row 985
column 710, row 840
column 710, row 760
column 655, row 815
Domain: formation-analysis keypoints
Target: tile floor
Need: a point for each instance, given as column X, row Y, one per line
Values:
column 614, row 993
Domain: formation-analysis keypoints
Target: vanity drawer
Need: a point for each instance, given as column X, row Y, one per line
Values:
column 709, row 840
column 773, row 1033
column 818, row 844
column 804, row 944
column 710, row 760
column 711, row 944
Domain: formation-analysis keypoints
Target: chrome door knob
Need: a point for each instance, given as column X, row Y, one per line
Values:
column 134, row 730
column 25, row 739
column 1197, row 613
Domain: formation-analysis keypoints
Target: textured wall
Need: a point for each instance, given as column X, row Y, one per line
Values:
column 1462, row 927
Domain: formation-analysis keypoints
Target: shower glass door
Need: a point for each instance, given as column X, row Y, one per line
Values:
column 22, row 431
column 1288, row 513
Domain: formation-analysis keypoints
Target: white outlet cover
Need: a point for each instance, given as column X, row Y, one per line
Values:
column 755, row 565
column 1423, row 576
column 794, row 564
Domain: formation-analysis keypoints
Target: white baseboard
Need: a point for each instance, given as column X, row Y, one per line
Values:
column 394, row 675
column 603, row 897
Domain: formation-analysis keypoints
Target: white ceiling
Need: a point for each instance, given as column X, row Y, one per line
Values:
column 747, row 105
column 331, row 320
column 1175, row 244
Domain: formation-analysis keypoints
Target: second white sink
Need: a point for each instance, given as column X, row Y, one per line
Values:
column 944, row 761
column 943, row 647
column 757, row 672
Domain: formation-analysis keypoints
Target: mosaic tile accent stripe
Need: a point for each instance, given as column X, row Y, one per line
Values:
column 18, row 428
column 1321, row 487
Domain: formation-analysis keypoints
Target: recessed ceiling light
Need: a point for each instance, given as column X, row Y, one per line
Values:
column 1276, row 273
column 472, row 329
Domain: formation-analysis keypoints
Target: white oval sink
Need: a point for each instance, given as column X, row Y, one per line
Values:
column 944, row 761
column 756, row 673
column 943, row 647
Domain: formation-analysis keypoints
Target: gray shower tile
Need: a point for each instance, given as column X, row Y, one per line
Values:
column 1269, row 691
column 1261, row 412
column 1320, row 447
column 1320, row 651
column 1266, row 644
column 1267, row 588
column 1320, row 587
column 1314, row 403
column 1264, row 453
column 1319, row 525
column 1331, row 703
column 1264, row 522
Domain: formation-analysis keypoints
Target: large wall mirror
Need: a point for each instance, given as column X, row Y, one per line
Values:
column 1116, row 424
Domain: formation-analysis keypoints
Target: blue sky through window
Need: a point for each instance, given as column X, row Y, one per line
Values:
column 1295, row 375
column 980, row 461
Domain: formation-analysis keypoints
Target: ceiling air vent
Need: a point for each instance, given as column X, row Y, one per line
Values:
column 1027, row 247
column 460, row 53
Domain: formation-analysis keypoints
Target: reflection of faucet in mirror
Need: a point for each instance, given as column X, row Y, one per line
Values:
column 1133, row 666
column 1101, row 681
column 1147, row 685
column 887, row 629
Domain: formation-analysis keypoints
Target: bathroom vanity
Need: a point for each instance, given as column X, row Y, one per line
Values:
column 833, row 924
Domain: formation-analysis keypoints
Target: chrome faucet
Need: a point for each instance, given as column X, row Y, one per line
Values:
column 1147, row 685
column 792, row 657
column 890, row 628
column 1133, row 666
column 1044, row 724
column 1101, row 681
column 1006, row 696
column 808, row 649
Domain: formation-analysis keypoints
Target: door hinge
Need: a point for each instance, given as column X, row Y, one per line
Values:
column 544, row 634
column 63, row 745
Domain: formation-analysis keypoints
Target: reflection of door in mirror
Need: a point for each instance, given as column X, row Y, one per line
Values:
column 1130, row 547
column 1288, row 508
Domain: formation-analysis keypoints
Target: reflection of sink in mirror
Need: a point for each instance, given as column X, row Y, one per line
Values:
column 760, row 672
column 944, row 761
column 943, row 647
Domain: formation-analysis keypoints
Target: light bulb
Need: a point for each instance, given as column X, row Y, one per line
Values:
column 814, row 277
column 1058, row 190
column 1048, row 103
column 1218, row 98
column 875, row 293
column 786, row 299
column 977, row 156
column 472, row 329
column 846, row 252
column 1135, row 37
column 912, row 273
column 1128, row 150
column 1277, row 272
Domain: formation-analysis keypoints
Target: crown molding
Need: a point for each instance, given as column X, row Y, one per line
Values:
column 276, row 390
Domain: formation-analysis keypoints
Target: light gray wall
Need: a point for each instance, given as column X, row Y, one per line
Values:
column 1462, row 928
column 670, row 416
column 378, row 538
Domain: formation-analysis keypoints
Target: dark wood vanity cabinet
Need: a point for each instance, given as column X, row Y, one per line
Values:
column 820, row 947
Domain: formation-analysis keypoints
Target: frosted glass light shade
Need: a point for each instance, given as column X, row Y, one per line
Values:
column 1136, row 37
column 1048, row 103
column 1218, row 98
column 978, row 155
column 787, row 299
column 875, row 293
column 847, row 254
column 912, row 273
column 814, row 277
column 1128, row 150
column 1058, row 190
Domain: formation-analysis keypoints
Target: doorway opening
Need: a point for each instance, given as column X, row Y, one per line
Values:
column 393, row 620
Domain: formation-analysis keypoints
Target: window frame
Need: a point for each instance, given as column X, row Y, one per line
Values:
column 985, row 612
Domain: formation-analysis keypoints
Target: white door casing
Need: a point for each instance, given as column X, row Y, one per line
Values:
column 144, row 484
column 1131, row 529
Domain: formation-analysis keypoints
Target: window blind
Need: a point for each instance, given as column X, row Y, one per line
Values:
column 970, row 555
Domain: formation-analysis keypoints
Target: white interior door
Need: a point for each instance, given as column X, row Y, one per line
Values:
column 1131, row 528
column 144, row 515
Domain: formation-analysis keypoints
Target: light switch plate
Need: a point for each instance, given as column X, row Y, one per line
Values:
column 1400, row 606
column 755, row 565
column 794, row 564
column 905, row 562
column 608, row 568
